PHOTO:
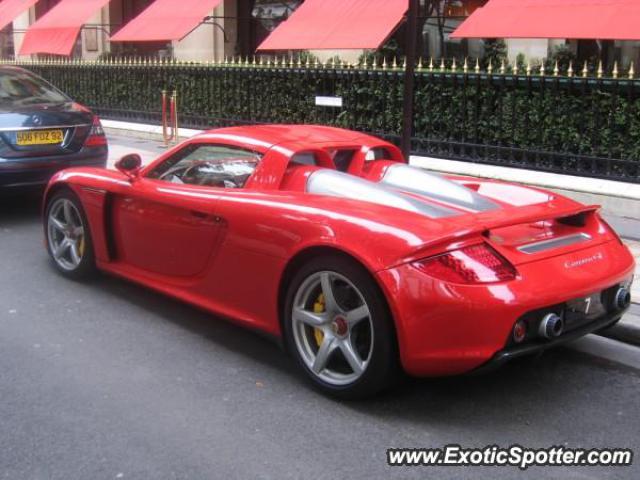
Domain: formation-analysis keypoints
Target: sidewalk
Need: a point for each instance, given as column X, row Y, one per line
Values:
column 620, row 218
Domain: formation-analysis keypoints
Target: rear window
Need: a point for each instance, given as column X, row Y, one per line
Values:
column 22, row 88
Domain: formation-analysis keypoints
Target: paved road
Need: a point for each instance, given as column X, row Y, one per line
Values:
column 107, row 380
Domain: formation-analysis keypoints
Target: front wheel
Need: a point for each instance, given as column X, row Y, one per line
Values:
column 68, row 237
column 338, row 326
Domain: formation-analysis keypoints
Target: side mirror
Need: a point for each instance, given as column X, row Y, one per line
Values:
column 129, row 165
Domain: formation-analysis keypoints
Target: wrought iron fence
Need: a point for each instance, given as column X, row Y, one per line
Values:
column 582, row 123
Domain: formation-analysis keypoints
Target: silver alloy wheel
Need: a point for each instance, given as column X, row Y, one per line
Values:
column 335, row 341
column 65, row 234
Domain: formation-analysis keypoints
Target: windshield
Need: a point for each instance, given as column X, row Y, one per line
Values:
column 23, row 88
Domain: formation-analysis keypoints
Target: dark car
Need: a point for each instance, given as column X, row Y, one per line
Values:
column 43, row 131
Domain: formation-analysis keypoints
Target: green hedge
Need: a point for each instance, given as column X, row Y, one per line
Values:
column 579, row 125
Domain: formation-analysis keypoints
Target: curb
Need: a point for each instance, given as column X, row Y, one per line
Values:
column 143, row 131
column 627, row 330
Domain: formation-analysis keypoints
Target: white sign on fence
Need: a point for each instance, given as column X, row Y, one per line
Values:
column 329, row 101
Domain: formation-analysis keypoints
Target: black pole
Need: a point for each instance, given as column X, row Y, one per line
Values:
column 407, row 108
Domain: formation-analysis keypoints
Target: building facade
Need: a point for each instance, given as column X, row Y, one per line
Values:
column 237, row 27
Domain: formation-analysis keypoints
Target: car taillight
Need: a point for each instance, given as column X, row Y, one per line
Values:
column 474, row 264
column 96, row 136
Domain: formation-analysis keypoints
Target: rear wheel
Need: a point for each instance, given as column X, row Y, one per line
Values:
column 338, row 326
column 68, row 237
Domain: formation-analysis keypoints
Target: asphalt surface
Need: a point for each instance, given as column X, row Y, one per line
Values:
column 109, row 380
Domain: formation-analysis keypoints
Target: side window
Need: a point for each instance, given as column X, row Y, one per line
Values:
column 208, row 165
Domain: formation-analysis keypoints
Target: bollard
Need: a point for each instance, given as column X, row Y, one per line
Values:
column 170, row 118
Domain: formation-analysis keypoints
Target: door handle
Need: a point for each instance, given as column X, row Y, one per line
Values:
column 200, row 215
column 205, row 216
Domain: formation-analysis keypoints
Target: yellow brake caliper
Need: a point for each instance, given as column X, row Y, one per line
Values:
column 318, row 307
column 81, row 246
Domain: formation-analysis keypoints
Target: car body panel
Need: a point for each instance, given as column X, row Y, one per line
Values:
column 227, row 250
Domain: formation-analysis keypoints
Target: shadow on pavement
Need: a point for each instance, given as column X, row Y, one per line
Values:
column 19, row 208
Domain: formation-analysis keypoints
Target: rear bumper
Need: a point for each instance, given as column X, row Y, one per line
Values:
column 450, row 329
column 509, row 353
column 18, row 173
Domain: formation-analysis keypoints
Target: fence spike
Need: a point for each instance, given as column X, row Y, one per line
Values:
column 556, row 69
column 477, row 67
column 631, row 71
column 600, row 71
column 465, row 65
column 528, row 69
column 585, row 70
column 514, row 70
column 615, row 69
column 384, row 63
column 570, row 70
column 453, row 65
column 431, row 64
column 490, row 67
column 404, row 62
column 443, row 66
column 542, row 69
column 420, row 63
column 503, row 67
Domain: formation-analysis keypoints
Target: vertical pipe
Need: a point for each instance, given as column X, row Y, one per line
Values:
column 409, row 73
column 176, row 128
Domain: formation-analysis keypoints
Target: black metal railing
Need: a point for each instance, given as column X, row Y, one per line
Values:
column 586, row 125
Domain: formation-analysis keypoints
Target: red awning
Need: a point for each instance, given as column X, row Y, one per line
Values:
column 10, row 9
column 337, row 24
column 166, row 20
column 56, row 32
column 572, row 19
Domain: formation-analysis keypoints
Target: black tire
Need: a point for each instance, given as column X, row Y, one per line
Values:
column 87, row 266
column 382, row 367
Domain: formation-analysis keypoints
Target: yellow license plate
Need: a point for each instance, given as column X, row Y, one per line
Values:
column 39, row 137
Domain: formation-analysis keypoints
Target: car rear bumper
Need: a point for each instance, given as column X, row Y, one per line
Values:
column 511, row 352
column 18, row 173
column 449, row 329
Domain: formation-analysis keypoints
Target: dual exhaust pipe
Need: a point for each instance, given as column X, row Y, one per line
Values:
column 552, row 325
column 622, row 298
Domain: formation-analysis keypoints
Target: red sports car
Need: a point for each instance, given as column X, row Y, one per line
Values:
column 327, row 239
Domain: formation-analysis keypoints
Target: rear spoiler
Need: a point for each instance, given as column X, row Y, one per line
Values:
column 534, row 213
column 468, row 226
